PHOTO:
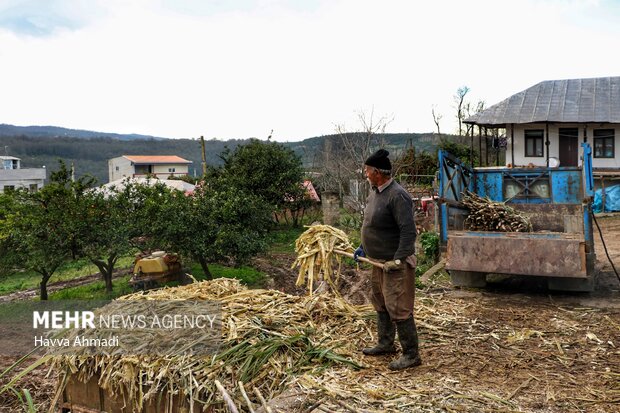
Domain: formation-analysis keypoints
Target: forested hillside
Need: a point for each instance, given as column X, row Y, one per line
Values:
column 56, row 132
column 91, row 155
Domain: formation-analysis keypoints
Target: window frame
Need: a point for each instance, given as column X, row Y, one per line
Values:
column 604, row 138
column 527, row 138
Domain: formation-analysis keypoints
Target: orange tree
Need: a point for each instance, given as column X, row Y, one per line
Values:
column 41, row 230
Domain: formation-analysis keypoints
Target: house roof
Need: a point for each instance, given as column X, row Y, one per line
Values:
column 120, row 184
column 9, row 158
column 311, row 192
column 152, row 159
column 570, row 100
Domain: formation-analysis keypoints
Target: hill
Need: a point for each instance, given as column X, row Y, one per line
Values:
column 56, row 132
column 90, row 155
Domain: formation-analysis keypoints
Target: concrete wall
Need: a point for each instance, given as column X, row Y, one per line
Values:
column 22, row 178
column 554, row 150
column 119, row 168
column 163, row 170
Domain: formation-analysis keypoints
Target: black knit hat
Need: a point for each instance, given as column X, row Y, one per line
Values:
column 379, row 160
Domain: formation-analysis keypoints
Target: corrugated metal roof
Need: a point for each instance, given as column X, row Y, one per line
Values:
column 152, row 159
column 569, row 100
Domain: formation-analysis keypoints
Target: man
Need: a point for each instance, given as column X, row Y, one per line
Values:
column 388, row 236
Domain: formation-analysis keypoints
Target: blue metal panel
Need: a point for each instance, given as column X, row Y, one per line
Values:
column 566, row 187
column 444, row 223
column 489, row 184
column 588, row 177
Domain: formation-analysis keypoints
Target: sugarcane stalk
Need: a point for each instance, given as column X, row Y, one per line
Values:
column 362, row 259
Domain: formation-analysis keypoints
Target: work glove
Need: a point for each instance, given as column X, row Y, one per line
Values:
column 393, row 265
column 359, row 252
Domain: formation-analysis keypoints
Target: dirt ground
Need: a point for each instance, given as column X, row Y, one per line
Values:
column 512, row 347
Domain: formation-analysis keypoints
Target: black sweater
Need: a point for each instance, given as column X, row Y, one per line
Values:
column 388, row 231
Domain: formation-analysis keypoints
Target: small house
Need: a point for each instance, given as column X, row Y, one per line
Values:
column 546, row 123
column 136, row 166
column 13, row 176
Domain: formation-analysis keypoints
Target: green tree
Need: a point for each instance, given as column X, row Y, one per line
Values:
column 42, row 229
column 217, row 222
column 265, row 169
column 417, row 168
column 459, row 150
column 108, row 222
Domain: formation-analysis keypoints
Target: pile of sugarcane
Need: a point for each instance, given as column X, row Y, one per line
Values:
column 317, row 254
column 487, row 215
column 267, row 338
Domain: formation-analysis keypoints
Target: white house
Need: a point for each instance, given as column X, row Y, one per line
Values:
column 135, row 166
column 546, row 123
column 13, row 176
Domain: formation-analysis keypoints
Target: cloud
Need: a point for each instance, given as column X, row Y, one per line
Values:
column 46, row 17
column 234, row 69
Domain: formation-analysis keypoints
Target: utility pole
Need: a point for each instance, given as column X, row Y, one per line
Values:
column 204, row 157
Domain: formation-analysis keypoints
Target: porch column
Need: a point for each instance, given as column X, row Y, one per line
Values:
column 547, row 141
column 512, row 143
column 480, row 145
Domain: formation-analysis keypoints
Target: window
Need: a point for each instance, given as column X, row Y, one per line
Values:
column 604, row 143
column 9, row 188
column 526, row 187
column 117, row 168
column 534, row 142
column 171, row 169
column 34, row 188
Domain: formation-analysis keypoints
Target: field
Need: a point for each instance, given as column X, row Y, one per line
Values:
column 513, row 347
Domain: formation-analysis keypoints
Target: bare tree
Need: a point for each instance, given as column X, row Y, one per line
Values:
column 343, row 155
column 436, row 118
column 459, row 99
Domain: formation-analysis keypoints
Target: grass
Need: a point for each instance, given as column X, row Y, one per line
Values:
column 247, row 275
column 282, row 240
column 94, row 291
column 24, row 280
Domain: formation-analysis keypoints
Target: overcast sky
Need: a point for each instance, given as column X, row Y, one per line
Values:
column 240, row 68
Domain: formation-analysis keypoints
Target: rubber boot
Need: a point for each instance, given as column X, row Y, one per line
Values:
column 387, row 333
column 408, row 337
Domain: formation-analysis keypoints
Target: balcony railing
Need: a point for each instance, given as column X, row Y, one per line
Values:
column 160, row 174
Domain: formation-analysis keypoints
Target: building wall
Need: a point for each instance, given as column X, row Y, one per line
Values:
column 554, row 150
column 163, row 170
column 22, row 178
column 119, row 168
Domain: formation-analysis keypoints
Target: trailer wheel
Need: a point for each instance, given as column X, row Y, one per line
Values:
column 468, row 279
column 582, row 285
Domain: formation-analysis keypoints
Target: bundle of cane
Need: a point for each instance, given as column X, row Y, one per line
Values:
column 487, row 215
column 319, row 249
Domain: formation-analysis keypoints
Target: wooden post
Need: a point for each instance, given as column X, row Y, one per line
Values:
column 512, row 143
column 603, row 193
column 547, row 141
column 204, row 156
column 480, row 145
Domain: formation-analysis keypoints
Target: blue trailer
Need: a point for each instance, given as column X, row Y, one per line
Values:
column 558, row 202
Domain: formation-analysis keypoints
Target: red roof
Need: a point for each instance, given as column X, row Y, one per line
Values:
column 151, row 159
column 311, row 191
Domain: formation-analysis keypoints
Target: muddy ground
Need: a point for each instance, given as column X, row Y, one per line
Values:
column 512, row 347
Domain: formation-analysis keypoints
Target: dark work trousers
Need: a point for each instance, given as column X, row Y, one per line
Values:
column 394, row 292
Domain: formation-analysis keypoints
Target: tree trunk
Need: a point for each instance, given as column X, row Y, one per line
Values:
column 106, row 270
column 43, row 286
column 205, row 268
